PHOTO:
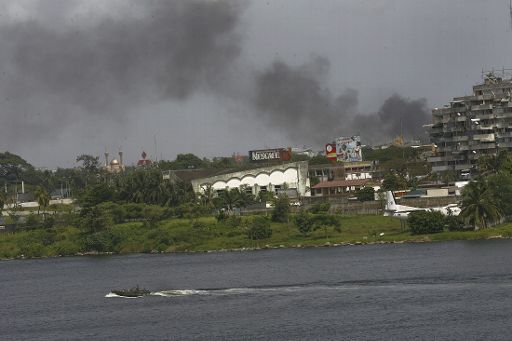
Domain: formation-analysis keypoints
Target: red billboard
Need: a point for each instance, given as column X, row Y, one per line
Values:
column 330, row 151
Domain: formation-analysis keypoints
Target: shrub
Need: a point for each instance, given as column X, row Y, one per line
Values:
column 48, row 222
column 304, row 222
column 101, row 241
column 65, row 248
column 423, row 222
column 152, row 215
column 234, row 221
column 320, row 207
column 259, row 228
column 33, row 221
column 366, row 194
column 221, row 216
column 93, row 219
column 133, row 211
column 199, row 225
column 323, row 219
column 115, row 211
column 454, row 223
column 281, row 210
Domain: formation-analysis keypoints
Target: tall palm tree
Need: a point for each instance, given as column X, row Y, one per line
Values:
column 42, row 197
column 2, row 202
column 206, row 196
column 492, row 164
column 478, row 205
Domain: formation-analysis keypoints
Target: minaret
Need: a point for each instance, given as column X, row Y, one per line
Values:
column 106, row 158
column 121, row 159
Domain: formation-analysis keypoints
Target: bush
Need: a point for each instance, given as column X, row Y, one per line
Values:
column 48, row 222
column 234, row 221
column 323, row 220
column 423, row 222
column 281, row 210
column 259, row 228
column 366, row 194
column 304, row 222
column 65, row 248
column 221, row 215
column 133, row 211
column 320, row 207
column 93, row 219
column 101, row 242
column 33, row 221
column 454, row 223
column 115, row 211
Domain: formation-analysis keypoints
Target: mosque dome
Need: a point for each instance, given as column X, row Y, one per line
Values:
column 114, row 162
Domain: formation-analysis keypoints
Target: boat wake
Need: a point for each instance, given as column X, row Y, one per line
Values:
column 111, row 294
column 380, row 284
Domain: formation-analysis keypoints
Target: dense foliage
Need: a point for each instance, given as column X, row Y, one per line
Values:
column 281, row 210
column 366, row 194
column 423, row 222
column 259, row 228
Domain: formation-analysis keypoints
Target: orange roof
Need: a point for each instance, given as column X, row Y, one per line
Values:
column 342, row 183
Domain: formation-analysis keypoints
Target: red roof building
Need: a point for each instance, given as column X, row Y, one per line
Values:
column 338, row 187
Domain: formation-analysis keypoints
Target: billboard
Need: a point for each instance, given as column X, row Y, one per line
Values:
column 330, row 151
column 268, row 155
column 348, row 149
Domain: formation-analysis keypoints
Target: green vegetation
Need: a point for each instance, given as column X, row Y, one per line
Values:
column 424, row 222
column 366, row 194
column 206, row 233
column 138, row 211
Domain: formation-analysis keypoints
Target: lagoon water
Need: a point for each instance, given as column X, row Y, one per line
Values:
column 438, row 291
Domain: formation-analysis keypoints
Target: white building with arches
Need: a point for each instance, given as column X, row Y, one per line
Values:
column 292, row 177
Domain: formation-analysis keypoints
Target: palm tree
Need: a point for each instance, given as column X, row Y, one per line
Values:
column 206, row 196
column 478, row 205
column 42, row 197
column 2, row 202
column 230, row 199
column 492, row 164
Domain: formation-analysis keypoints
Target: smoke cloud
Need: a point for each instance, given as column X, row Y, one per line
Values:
column 50, row 73
column 297, row 101
column 54, row 69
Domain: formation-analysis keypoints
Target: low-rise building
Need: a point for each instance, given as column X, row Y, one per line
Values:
column 338, row 187
column 276, row 178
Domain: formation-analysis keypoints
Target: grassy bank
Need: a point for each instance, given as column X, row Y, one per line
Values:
column 206, row 234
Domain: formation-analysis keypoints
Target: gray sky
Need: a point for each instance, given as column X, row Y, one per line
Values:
column 217, row 77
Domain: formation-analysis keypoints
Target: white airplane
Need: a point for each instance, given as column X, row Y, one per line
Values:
column 401, row 211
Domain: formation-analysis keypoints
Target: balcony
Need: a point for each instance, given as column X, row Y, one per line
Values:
column 484, row 137
column 483, row 146
column 504, row 135
column 481, row 107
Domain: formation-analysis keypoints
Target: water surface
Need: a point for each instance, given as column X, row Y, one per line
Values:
column 442, row 291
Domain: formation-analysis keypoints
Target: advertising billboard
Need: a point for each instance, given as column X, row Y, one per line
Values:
column 330, row 151
column 348, row 149
column 268, row 155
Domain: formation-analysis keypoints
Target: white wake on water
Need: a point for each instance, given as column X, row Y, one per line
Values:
column 111, row 294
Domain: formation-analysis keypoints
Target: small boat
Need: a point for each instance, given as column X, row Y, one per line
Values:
column 133, row 292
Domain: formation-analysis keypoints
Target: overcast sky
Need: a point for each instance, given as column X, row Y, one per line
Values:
column 218, row 77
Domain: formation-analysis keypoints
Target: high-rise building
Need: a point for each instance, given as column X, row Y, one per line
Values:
column 471, row 126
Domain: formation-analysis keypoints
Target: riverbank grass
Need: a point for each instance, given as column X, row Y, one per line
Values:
column 207, row 234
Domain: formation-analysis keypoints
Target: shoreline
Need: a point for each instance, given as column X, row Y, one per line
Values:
column 262, row 248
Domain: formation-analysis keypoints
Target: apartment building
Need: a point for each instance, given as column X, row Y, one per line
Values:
column 471, row 126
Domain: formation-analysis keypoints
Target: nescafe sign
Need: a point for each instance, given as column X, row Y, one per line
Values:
column 267, row 155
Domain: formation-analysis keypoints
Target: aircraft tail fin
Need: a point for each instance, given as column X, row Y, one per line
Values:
column 390, row 201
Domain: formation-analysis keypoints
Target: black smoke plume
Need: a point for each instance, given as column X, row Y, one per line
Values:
column 50, row 72
column 297, row 101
